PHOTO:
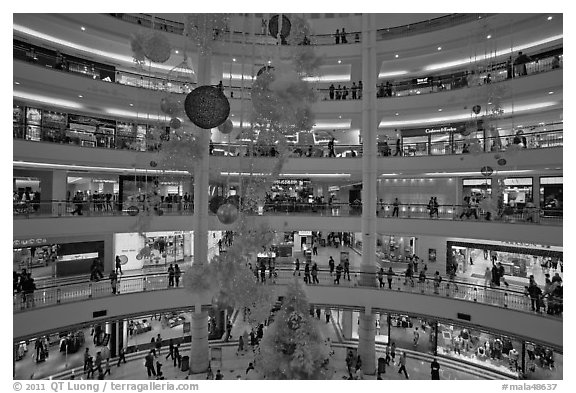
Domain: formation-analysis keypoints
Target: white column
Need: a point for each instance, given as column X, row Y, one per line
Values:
column 367, row 341
column 53, row 188
column 369, row 145
column 347, row 324
column 199, row 353
column 536, row 191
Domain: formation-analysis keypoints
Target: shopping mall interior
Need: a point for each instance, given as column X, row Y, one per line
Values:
column 288, row 196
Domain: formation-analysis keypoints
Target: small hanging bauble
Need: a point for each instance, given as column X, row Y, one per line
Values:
column 175, row 123
column 476, row 109
column 133, row 210
column 502, row 161
column 273, row 26
column 169, row 105
column 486, row 171
column 153, row 164
column 157, row 47
column 227, row 214
column 226, row 127
column 207, row 107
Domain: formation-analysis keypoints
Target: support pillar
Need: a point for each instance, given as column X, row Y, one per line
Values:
column 199, row 352
column 536, row 191
column 367, row 342
column 347, row 324
column 369, row 151
column 53, row 188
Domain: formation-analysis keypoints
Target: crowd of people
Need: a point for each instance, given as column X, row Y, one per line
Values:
column 341, row 92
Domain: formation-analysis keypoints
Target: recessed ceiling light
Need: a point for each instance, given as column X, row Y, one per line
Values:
column 418, row 92
column 549, row 18
column 269, row 61
column 83, row 28
column 550, row 92
column 80, row 96
column 489, row 103
column 16, row 83
column 397, row 113
column 439, row 48
column 440, row 110
column 488, row 36
column 396, row 56
column 340, row 116
column 131, row 104
column 339, row 61
column 176, row 51
column 232, row 114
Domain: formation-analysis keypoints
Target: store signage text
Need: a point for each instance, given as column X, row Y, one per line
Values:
column 439, row 130
column 29, row 242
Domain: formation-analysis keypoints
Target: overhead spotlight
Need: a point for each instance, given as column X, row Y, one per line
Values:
column 488, row 36
column 80, row 96
column 550, row 92
column 131, row 104
column 439, row 48
column 234, row 59
column 82, row 28
column 549, row 18
column 339, row 61
column 440, row 110
column 396, row 56
column 397, row 113
column 16, row 83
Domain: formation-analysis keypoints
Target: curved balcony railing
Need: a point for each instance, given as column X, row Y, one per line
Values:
column 354, row 37
column 465, row 291
column 495, row 73
column 506, row 214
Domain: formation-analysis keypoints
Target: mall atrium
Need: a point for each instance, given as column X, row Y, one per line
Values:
column 288, row 196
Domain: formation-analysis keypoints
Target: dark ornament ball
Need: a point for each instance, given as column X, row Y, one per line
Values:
column 153, row 164
column 263, row 69
column 133, row 210
column 502, row 161
column 476, row 109
column 486, row 171
column 273, row 26
column 207, row 107
column 227, row 213
column 215, row 203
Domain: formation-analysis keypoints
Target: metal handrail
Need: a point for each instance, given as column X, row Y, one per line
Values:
column 473, row 292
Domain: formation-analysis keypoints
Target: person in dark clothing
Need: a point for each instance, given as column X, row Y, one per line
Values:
column 149, row 364
column 118, row 265
column 343, row 36
column 86, row 358
column 520, row 64
column 158, row 368
column 331, row 91
column 331, row 152
column 318, row 313
column 396, row 210
column 389, row 277
column 381, row 277
column 263, row 273
column 347, row 269
column 121, row 356
column 535, row 294
column 296, row 267
column 170, row 275
column 338, row 274
column 315, row 274
column 177, row 274
column 307, row 279
column 435, row 369
column 337, row 36
column 398, row 148
column 170, row 349
column 331, row 265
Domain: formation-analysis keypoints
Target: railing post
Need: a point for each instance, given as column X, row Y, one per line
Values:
column 144, row 281
column 475, row 294
column 505, row 299
column 90, row 290
column 58, row 296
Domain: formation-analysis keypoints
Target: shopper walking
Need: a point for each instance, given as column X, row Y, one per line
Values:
column 121, row 356
column 315, row 274
column 331, row 91
column 331, row 264
column 347, row 269
column 435, row 369
column 158, row 343
column 398, row 147
column 149, row 364
column 403, row 365
column 338, row 273
column 395, row 210
column 331, row 152
column 170, row 275
column 98, row 362
column 381, row 277
column 389, row 277
column 170, row 349
column 114, row 281
column 437, row 282
column 86, row 357
column 107, row 367
column 177, row 358
column 177, row 274
column 118, row 265
column 307, row 279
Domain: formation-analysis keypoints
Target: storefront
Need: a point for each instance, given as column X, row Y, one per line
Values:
column 394, row 248
column 517, row 191
column 551, row 195
column 159, row 249
column 519, row 260
column 437, row 140
column 47, row 257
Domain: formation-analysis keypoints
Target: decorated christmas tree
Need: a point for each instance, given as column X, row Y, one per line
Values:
column 293, row 346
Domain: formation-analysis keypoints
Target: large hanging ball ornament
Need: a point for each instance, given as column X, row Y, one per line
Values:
column 175, row 123
column 486, row 171
column 157, row 47
column 207, row 107
column 226, row 127
column 153, row 164
column 476, row 109
column 263, row 69
column 133, row 210
column 215, row 202
column 502, row 161
column 273, row 26
column 169, row 105
column 227, row 214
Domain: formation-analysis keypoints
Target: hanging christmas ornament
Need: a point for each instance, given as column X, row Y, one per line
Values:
column 502, row 161
column 153, row 164
column 136, row 44
column 227, row 213
column 486, row 171
column 207, row 107
column 175, row 123
column 157, row 47
column 133, row 210
column 226, row 127
column 476, row 109
column 273, row 26
column 215, row 202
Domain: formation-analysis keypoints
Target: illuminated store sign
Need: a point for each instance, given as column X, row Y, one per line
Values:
column 439, row 130
column 29, row 242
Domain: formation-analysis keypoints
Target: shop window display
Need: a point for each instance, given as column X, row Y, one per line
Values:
column 413, row 333
column 542, row 362
column 498, row 352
